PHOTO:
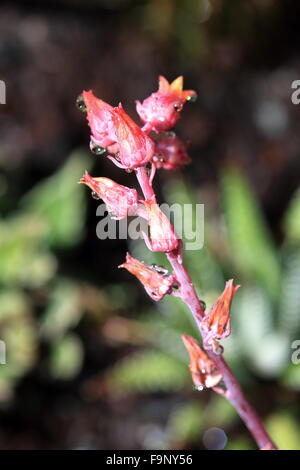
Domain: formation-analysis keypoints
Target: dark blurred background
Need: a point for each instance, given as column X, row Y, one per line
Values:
column 91, row 361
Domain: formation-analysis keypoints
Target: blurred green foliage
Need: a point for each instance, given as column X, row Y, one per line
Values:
column 148, row 371
column 58, row 203
column 36, row 305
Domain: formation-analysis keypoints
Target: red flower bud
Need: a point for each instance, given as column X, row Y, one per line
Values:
column 162, row 233
column 216, row 324
column 203, row 369
column 170, row 152
column 99, row 116
column 120, row 200
column 155, row 281
column 161, row 110
column 135, row 147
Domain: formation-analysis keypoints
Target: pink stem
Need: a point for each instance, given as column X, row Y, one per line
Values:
column 144, row 182
column 187, row 289
column 236, row 397
column 233, row 393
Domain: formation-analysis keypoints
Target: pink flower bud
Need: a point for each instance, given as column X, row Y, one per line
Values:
column 170, row 152
column 216, row 324
column 161, row 110
column 162, row 233
column 120, row 200
column 99, row 116
column 135, row 147
column 203, row 369
column 156, row 283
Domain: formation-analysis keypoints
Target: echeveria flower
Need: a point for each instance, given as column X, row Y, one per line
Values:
column 99, row 116
column 120, row 200
column 162, row 233
column 170, row 152
column 161, row 110
column 156, row 282
column 216, row 324
column 135, row 147
column 203, row 369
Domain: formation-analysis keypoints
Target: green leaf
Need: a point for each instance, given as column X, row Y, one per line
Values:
column 251, row 245
column 186, row 423
column 66, row 357
column 177, row 315
column 148, row 371
column 289, row 304
column 20, row 337
column 219, row 412
column 253, row 318
column 292, row 220
column 14, row 305
column 60, row 202
column 240, row 443
column 23, row 259
column 284, row 430
column 265, row 348
column 166, row 327
column 20, row 341
column 291, row 377
column 63, row 311
column 272, row 356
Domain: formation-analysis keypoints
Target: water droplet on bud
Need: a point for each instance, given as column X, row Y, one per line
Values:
column 178, row 107
column 95, row 196
column 199, row 388
column 192, row 98
column 170, row 134
column 160, row 269
column 97, row 150
column 81, row 104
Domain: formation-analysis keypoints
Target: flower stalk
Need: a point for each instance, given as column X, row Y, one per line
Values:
column 233, row 393
column 133, row 149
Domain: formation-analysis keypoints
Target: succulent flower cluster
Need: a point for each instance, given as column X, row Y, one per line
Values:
column 116, row 136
